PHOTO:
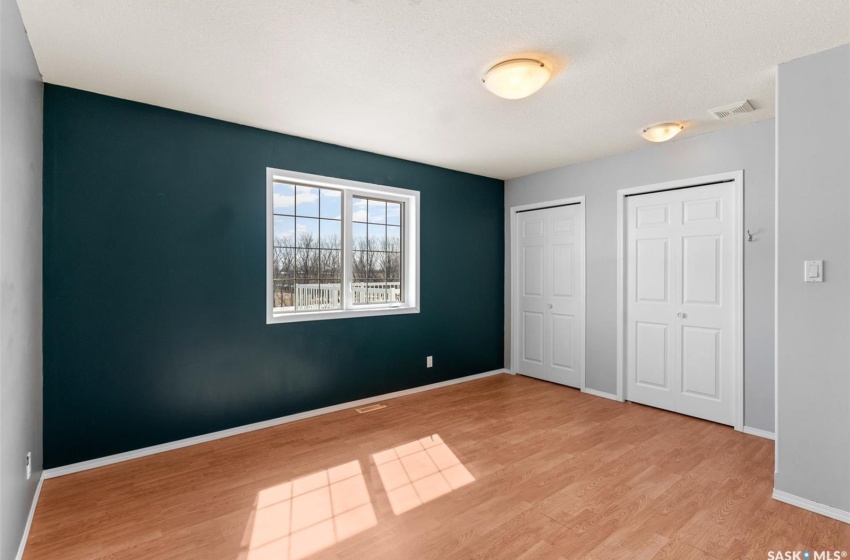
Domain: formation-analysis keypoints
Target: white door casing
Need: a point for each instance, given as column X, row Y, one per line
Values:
column 550, row 294
column 682, row 300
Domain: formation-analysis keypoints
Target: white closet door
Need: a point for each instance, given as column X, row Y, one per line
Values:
column 681, row 301
column 533, row 301
column 650, row 277
column 550, row 290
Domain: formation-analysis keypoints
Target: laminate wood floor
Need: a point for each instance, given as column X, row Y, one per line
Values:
column 501, row 467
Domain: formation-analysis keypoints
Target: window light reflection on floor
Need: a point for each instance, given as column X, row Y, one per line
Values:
column 419, row 471
column 303, row 516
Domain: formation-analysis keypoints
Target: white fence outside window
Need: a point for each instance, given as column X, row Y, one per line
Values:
column 311, row 297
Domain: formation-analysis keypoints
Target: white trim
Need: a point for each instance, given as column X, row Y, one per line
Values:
column 760, row 433
column 815, row 507
column 144, row 452
column 738, row 178
column 28, row 524
column 340, row 314
column 411, row 264
column 602, row 394
column 739, row 312
column 514, row 210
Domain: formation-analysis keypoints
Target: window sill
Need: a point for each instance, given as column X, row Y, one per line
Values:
column 279, row 317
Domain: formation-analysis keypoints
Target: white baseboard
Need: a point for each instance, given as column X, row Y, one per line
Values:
column 760, row 433
column 154, row 449
column 815, row 507
column 26, row 534
column 602, row 394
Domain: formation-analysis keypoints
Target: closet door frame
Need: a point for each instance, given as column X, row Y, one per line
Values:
column 737, row 177
column 514, row 278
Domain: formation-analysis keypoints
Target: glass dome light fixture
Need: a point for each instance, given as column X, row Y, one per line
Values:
column 662, row 132
column 517, row 78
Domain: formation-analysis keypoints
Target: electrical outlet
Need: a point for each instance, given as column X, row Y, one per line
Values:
column 29, row 464
column 430, row 361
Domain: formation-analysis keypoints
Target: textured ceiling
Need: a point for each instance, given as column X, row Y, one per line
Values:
column 403, row 77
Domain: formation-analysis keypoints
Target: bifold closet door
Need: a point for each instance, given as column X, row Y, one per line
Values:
column 550, row 290
column 681, row 301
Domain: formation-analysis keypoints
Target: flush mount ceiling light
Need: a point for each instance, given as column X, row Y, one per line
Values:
column 517, row 78
column 662, row 132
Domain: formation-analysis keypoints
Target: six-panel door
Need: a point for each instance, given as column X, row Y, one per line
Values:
column 681, row 301
column 550, row 288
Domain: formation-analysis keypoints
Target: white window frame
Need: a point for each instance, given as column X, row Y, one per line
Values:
column 410, row 253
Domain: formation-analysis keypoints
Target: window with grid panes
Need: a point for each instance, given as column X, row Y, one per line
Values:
column 339, row 248
column 307, row 247
column 377, row 250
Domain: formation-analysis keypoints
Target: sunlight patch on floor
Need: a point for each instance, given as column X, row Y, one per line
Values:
column 419, row 471
column 301, row 517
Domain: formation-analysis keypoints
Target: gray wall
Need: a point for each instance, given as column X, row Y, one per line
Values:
column 20, row 275
column 813, row 151
column 750, row 148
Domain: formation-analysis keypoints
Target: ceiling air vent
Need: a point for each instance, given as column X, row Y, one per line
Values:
column 733, row 109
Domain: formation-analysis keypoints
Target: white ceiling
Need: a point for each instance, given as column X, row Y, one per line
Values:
column 403, row 77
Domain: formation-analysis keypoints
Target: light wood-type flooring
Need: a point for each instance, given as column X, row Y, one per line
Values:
column 501, row 467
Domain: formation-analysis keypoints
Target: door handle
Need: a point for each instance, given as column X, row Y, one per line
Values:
column 550, row 306
column 682, row 315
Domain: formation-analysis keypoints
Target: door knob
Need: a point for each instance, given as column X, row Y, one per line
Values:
column 682, row 315
column 550, row 306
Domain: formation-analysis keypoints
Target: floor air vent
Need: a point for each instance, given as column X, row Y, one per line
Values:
column 733, row 109
column 370, row 408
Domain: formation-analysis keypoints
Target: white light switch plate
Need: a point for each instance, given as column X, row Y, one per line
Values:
column 813, row 271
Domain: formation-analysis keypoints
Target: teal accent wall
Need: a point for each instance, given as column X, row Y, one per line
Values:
column 154, row 280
